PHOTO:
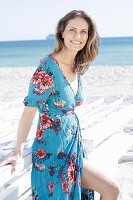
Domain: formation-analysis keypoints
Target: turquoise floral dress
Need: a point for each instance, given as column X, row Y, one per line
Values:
column 57, row 150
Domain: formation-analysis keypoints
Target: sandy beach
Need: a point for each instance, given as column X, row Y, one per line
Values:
column 108, row 81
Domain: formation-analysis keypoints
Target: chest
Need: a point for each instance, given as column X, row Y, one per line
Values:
column 71, row 78
column 74, row 85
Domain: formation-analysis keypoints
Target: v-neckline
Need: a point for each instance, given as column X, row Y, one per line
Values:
column 57, row 64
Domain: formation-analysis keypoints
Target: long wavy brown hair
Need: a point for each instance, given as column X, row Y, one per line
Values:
column 89, row 52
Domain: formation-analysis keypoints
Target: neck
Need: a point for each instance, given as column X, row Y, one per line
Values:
column 67, row 56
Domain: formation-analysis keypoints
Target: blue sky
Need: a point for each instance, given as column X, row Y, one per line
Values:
column 35, row 19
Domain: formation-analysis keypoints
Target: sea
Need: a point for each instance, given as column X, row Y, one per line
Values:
column 113, row 51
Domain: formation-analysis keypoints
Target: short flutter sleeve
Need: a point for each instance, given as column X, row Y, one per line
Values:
column 41, row 85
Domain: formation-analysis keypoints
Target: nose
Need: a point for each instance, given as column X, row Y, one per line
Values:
column 78, row 35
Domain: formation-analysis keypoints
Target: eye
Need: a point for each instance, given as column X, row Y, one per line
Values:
column 84, row 31
column 71, row 29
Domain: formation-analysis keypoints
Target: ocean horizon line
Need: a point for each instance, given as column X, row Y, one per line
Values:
column 108, row 37
column 112, row 51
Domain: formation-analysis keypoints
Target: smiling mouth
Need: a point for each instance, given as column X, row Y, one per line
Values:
column 75, row 42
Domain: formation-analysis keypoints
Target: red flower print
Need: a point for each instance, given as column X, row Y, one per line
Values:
column 50, row 194
column 51, row 186
column 57, row 125
column 52, row 172
column 72, row 111
column 47, row 110
column 80, row 183
column 64, row 186
column 53, row 92
column 34, row 194
column 79, row 103
column 40, row 153
column 71, row 172
column 70, row 194
column 45, row 122
column 46, row 82
column 64, row 111
column 36, row 79
column 39, row 134
column 37, row 91
column 42, row 102
column 24, row 101
column 60, row 104
column 61, row 155
column 90, row 191
column 39, row 167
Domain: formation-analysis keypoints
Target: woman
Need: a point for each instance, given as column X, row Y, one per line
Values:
column 60, row 169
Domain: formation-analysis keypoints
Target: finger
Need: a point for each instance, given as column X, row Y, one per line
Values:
column 13, row 169
column 5, row 162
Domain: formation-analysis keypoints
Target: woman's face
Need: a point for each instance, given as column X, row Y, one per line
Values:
column 75, row 34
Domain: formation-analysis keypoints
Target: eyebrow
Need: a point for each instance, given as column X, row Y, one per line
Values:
column 75, row 28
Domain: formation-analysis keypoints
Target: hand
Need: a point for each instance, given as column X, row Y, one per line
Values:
column 15, row 160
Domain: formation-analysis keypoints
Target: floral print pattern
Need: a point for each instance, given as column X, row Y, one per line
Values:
column 40, row 153
column 57, row 150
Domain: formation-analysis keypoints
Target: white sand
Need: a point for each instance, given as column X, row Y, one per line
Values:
column 14, row 82
column 108, row 81
column 97, row 81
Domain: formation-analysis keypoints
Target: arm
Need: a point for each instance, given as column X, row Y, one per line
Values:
column 24, row 128
column 41, row 86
